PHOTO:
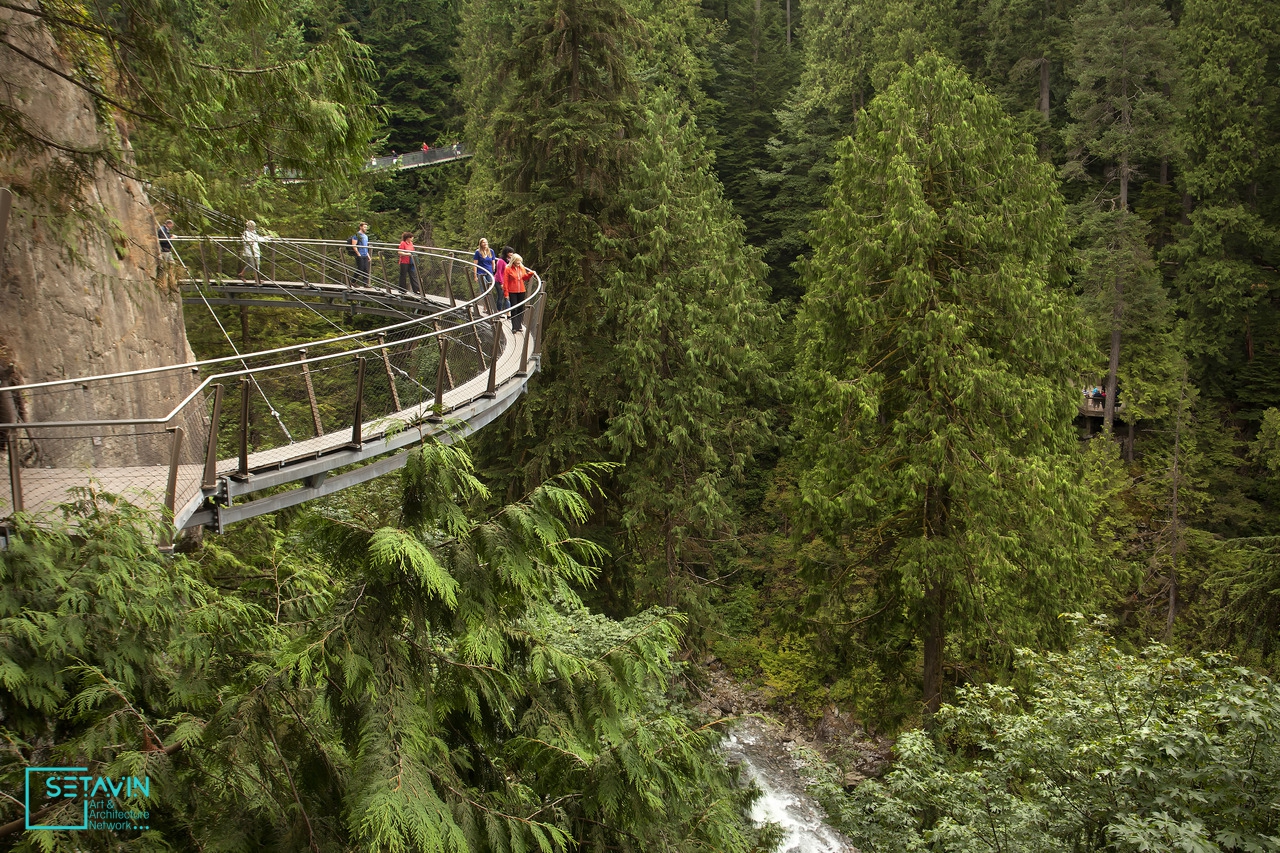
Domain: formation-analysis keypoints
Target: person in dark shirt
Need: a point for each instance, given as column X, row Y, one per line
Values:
column 167, row 275
column 165, row 235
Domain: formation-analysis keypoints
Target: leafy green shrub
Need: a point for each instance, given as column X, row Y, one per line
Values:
column 1104, row 751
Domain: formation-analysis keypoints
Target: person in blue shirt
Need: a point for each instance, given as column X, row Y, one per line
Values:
column 484, row 258
column 360, row 245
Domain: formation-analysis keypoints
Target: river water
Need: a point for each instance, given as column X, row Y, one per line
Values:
column 784, row 800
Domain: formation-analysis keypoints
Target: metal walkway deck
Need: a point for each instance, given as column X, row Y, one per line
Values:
column 257, row 432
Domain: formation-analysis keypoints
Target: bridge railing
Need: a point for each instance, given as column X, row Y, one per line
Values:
column 420, row 158
column 241, row 414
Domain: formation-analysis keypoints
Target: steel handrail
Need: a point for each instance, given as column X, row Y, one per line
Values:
column 177, row 410
column 195, row 365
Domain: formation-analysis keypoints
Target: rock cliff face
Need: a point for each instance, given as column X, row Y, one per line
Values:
column 80, row 292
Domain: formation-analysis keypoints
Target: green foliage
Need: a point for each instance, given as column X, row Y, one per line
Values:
column 933, row 414
column 755, row 66
column 412, row 45
column 1101, row 751
column 1121, row 58
column 690, row 324
column 429, row 684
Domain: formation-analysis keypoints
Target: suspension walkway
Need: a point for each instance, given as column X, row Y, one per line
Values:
column 252, row 433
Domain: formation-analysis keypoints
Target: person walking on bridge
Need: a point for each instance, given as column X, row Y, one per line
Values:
column 500, row 278
column 408, row 265
column 252, row 252
column 168, row 274
column 360, row 248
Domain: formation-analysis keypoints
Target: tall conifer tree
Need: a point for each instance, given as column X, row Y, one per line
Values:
column 1230, row 139
column 1122, row 62
column 935, row 399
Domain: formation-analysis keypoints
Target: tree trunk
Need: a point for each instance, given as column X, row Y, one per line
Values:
column 1113, row 366
column 1124, row 183
column 1176, row 539
column 935, row 604
column 670, row 595
column 1128, row 448
column 1044, row 88
column 788, row 23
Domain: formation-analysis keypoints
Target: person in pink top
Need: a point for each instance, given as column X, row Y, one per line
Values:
column 500, row 277
column 408, row 267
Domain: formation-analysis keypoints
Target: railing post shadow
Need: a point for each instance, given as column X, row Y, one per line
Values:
column 492, row 390
column 210, row 478
column 311, row 395
column 391, row 377
column 242, row 472
column 437, row 406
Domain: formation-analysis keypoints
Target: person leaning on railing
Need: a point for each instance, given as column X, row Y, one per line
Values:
column 517, row 275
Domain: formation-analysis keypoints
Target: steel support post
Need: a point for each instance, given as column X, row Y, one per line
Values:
column 210, row 478
column 175, row 458
column 524, row 346
column 15, row 471
column 437, row 407
column 357, row 420
column 537, row 323
column 243, row 471
column 492, row 390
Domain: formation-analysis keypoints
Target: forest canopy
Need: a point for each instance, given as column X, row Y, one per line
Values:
column 879, row 336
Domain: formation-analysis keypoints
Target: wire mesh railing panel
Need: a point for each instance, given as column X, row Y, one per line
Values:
column 164, row 435
column 166, row 468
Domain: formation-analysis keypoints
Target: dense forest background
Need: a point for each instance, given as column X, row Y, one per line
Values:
column 828, row 278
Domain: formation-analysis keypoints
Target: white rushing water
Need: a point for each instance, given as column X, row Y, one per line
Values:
column 784, row 800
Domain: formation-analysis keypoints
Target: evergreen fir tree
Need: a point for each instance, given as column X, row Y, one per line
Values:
column 1230, row 139
column 1121, row 61
column 561, row 135
column 934, row 412
column 754, row 68
column 691, row 329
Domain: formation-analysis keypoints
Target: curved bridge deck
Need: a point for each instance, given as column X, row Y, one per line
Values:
column 256, row 432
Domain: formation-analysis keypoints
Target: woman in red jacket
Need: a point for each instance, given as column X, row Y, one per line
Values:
column 517, row 275
column 408, row 267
